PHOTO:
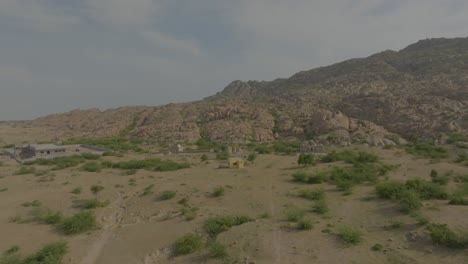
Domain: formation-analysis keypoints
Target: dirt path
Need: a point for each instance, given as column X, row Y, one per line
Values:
column 109, row 224
column 276, row 228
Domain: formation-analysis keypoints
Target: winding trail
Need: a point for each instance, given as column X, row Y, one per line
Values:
column 108, row 229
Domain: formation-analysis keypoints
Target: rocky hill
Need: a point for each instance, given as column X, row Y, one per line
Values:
column 420, row 91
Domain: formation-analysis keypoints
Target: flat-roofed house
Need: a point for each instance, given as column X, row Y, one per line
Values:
column 39, row 151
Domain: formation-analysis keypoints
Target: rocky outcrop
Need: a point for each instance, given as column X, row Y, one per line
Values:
column 420, row 91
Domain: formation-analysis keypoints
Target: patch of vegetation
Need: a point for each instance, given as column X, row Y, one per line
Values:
column 320, row 207
column 12, row 250
column 442, row 235
column 458, row 199
column 148, row 190
column 112, row 143
column 76, row 190
column 395, row 224
column 304, row 224
column 167, row 195
column 90, row 156
column 216, row 225
column 150, row 164
column 91, row 167
column 427, row 150
column 188, row 244
column 421, row 219
column 441, row 180
column 25, row 170
column 263, row 149
column 34, row 203
column 306, row 160
column 286, row 147
column 59, row 163
column 189, row 213
column 79, row 223
column 350, row 156
column 204, row 157
column 308, row 194
column 346, row 178
column 252, row 157
column 217, row 250
column 350, row 235
column 95, row 189
column 50, row 254
column 377, row 247
column 409, row 201
column 3, row 189
column 222, row 155
column 294, row 214
column 309, row 178
column 90, row 203
column 456, row 138
column 425, row 190
column 218, row 191
column 50, row 217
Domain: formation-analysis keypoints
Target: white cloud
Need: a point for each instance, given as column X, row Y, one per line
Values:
column 30, row 13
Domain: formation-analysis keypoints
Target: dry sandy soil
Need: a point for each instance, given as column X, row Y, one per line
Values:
column 143, row 229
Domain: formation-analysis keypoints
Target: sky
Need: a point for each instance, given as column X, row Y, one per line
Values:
column 59, row 55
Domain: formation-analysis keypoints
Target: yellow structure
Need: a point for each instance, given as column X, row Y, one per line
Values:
column 236, row 163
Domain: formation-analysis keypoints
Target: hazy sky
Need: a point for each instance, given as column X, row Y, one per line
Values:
column 58, row 55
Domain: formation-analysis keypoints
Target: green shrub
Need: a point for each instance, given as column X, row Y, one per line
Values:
column 12, row 250
column 76, row 190
column 421, row 219
column 306, row 160
column 409, row 201
column 3, row 189
column 148, row 190
column 434, row 173
column 427, row 150
column 350, row 156
column 441, row 234
column 457, row 137
column 312, row 194
column 60, row 162
column 263, row 149
column 34, row 203
column 48, row 217
column 188, row 244
column 304, row 224
column 294, row 214
column 395, row 224
column 286, row 147
column 218, row 191
column 426, row 190
column 252, row 157
column 308, row 178
column 216, row 225
column 95, row 189
column 90, row 203
column 90, row 156
column 49, row 254
column 350, row 235
column 222, row 156
column 25, row 170
column 112, row 143
column 91, row 167
column 79, row 223
column 167, row 195
column 189, row 213
column 204, row 157
column 320, row 207
column 150, row 164
column 377, row 247
column 458, row 199
column 441, row 180
column 217, row 250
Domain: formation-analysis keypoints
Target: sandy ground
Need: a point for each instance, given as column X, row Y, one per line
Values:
column 142, row 229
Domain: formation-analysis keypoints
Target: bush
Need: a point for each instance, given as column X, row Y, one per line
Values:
column 426, row 190
column 252, row 157
column 49, row 254
column 350, row 235
column 188, row 244
column 320, row 207
column 217, row 250
column 216, row 225
column 409, row 201
column 91, row 167
column 440, row 180
column 457, row 137
column 306, row 160
column 60, row 162
column 189, row 213
column 286, row 147
column 442, row 235
column 112, row 143
column 51, row 217
column 294, row 214
column 218, row 191
column 167, row 195
column 148, row 190
column 34, row 203
column 204, row 157
column 90, row 156
column 304, row 224
column 458, row 199
column 390, row 190
column 421, row 219
column 79, row 223
column 263, row 149
column 312, row 194
column 377, row 247
column 90, row 203
column 427, row 150
column 76, row 190
column 304, row 177
column 350, row 156
column 434, row 173
column 150, row 164
column 95, row 189
column 25, row 170
column 222, row 156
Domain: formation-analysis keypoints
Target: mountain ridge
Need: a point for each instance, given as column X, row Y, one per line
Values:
column 419, row 91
